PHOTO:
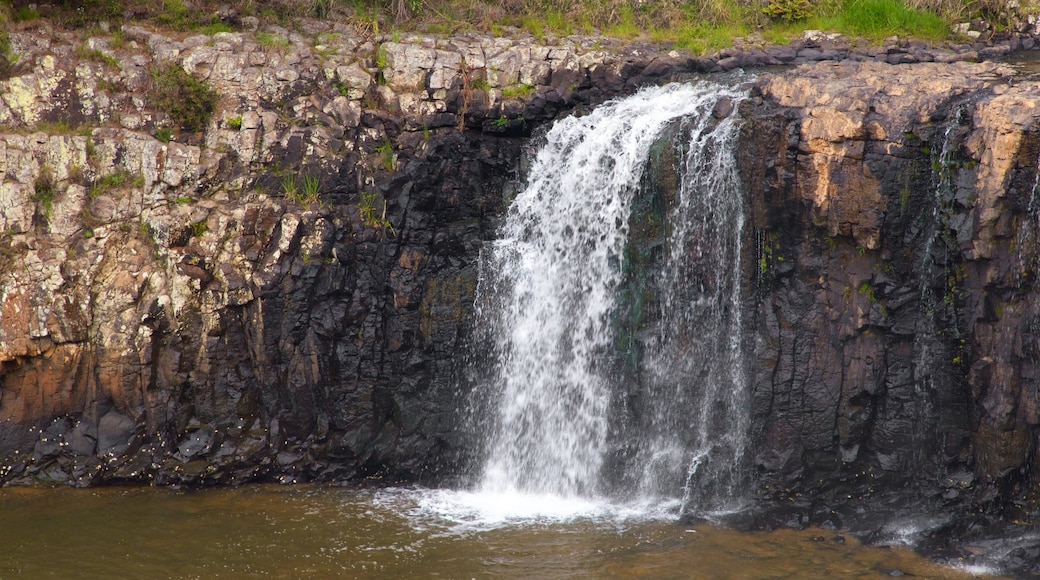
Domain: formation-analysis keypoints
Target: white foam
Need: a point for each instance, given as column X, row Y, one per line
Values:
column 465, row 511
column 976, row 569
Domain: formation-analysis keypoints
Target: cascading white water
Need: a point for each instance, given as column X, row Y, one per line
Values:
column 695, row 363
column 548, row 292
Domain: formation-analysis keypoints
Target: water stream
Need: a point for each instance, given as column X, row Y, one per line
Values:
column 552, row 287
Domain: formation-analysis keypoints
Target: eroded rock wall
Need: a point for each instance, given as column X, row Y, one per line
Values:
column 895, row 252
column 169, row 314
column 172, row 310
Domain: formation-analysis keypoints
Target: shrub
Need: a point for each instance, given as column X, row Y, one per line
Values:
column 788, row 10
column 187, row 101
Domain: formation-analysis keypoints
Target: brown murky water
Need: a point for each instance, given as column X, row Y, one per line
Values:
column 315, row 532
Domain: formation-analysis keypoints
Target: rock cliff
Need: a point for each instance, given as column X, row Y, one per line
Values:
column 279, row 294
column 896, row 308
column 283, row 293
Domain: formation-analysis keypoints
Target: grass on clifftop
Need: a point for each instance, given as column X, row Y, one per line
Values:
column 699, row 25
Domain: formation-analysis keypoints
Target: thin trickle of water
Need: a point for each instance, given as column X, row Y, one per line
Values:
column 695, row 363
column 931, row 355
column 549, row 285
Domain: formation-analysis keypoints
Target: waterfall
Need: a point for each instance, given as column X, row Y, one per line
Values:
column 550, row 292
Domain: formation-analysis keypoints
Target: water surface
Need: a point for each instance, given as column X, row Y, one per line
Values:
column 325, row 532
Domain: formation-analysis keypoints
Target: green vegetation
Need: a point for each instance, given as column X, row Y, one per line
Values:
column 180, row 16
column 310, row 191
column 695, row 24
column 267, row 40
column 26, row 13
column 699, row 25
column 96, row 55
column 517, row 91
column 7, row 55
column 164, row 134
column 304, row 193
column 234, row 122
column 112, row 181
column 44, row 191
column 199, row 228
column 386, row 153
column 788, row 10
column 58, row 126
column 877, row 19
column 379, row 59
column 188, row 102
column 372, row 208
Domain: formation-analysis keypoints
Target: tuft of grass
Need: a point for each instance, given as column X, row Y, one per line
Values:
column 234, row 122
column 386, row 154
column 112, row 181
column 164, row 134
column 267, row 40
column 626, row 26
column 379, row 57
column 199, row 228
column 289, row 187
column 95, row 55
column 321, row 9
column 188, row 102
column 27, row 13
column 518, row 91
column 44, row 191
column 215, row 27
column 183, row 17
column 310, row 190
column 7, row 55
column 878, row 19
column 372, row 208
column 305, row 192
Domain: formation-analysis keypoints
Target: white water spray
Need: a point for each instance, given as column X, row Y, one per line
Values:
column 549, row 287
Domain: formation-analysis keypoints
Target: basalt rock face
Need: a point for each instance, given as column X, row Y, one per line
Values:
column 896, row 301
column 177, row 311
column 169, row 314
